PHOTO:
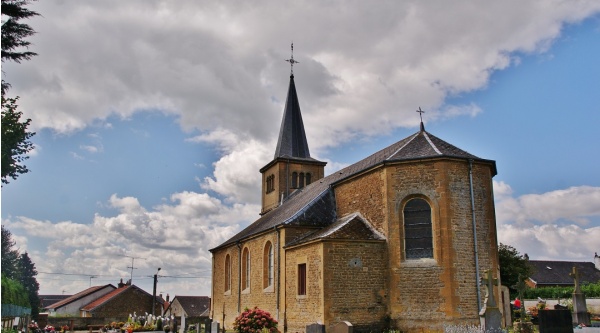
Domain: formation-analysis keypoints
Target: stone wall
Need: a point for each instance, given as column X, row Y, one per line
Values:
column 225, row 304
column 354, row 284
column 302, row 310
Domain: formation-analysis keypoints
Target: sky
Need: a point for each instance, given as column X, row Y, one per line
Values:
column 153, row 118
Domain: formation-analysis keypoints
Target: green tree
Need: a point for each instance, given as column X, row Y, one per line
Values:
column 26, row 276
column 512, row 264
column 15, row 137
column 13, row 32
column 13, row 293
column 15, row 140
column 10, row 255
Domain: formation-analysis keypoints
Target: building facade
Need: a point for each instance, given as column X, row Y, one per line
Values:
column 397, row 240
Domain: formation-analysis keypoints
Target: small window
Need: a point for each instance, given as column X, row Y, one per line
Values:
column 301, row 179
column 268, row 265
column 245, row 269
column 270, row 184
column 301, row 279
column 227, row 273
column 418, row 236
column 294, row 180
column 308, row 179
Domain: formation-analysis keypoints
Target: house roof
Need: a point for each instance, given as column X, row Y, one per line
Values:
column 557, row 272
column 78, row 296
column 113, row 295
column 314, row 205
column 46, row 300
column 194, row 306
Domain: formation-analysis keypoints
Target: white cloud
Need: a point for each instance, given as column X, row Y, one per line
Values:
column 549, row 226
column 174, row 236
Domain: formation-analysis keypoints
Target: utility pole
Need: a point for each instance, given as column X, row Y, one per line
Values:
column 154, row 292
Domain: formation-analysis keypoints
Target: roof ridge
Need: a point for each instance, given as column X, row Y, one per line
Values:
column 399, row 149
column 431, row 143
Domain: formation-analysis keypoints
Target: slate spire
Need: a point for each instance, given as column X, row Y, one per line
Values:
column 292, row 138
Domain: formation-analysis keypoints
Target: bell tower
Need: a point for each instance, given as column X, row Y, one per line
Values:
column 292, row 168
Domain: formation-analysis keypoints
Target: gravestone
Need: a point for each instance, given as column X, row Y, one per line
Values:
column 315, row 328
column 214, row 327
column 492, row 318
column 505, row 306
column 580, row 314
column 555, row 321
column 342, row 327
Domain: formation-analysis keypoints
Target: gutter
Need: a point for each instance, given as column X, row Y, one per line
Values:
column 477, row 278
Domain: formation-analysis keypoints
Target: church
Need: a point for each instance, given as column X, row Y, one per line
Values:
column 398, row 240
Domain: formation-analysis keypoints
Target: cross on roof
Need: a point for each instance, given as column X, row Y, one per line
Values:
column 292, row 61
column 420, row 113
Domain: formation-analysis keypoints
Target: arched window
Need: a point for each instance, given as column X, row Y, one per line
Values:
column 294, row 179
column 418, row 235
column 227, row 273
column 308, row 180
column 268, row 265
column 301, row 179
column 270, row 186
column 245, row 269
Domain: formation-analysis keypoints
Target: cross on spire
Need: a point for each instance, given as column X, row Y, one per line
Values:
column 421, row 115
column 292, row 61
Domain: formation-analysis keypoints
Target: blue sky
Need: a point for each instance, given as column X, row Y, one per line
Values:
column 152, row 124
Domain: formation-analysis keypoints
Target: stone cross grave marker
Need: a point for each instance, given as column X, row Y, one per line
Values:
column 490, row 311
column 521, row 286
column 580, row 313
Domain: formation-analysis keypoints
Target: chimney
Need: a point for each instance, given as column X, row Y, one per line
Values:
column 597, row 261
column 121, row 284
column 167, row 297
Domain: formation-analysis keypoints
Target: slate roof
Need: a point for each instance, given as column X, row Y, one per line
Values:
column 77, row 296
column 314, row 205
column 350, row 227
column 46, row 300
column 194, row 306
column 292, row 138
column 553, row 273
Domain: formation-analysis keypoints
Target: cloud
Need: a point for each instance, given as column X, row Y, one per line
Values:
column 175, row 236
column 551, row 225
column 575, row 204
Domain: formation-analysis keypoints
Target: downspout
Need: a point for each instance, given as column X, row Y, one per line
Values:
column 474, row 236
column 239, row 246
column 278, row 272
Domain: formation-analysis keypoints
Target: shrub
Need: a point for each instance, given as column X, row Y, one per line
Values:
column 255, row 321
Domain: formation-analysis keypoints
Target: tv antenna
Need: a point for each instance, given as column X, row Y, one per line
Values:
column 132, row 265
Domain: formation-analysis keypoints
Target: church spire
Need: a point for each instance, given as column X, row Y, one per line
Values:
column 292, row 138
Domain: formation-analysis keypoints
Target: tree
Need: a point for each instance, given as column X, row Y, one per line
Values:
column 15, row 140
column 26, row 276
column 10, row 255
column 13, row 32
column 15, row 144
column 512, row 264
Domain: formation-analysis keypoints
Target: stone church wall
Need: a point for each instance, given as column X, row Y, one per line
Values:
column 302, row 310
column 354, row 284
column 225, row 304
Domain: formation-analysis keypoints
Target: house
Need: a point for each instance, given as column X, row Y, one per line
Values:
column 195, row 309
column 549, row 273
column 121, row 302
column 71, row 306
column 106, row 301
column 397, row 240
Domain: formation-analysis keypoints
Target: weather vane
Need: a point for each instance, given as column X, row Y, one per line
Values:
column 420, row 113
column 292, row 61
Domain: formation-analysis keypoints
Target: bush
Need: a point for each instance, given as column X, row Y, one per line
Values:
column 255, row 321
column 590, row 290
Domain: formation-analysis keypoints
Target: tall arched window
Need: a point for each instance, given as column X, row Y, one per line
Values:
column 294, row 179
column 308, row 180
column 268, row 265
column 245, row 269
column 227, row 273
column 301, row 179
column 418, row 235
